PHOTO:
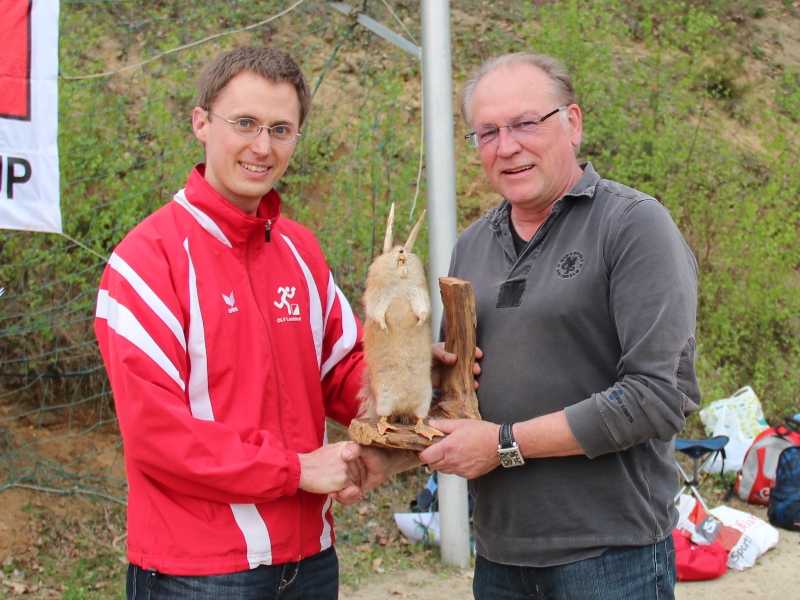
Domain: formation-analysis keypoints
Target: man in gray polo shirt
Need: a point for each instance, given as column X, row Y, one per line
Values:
column 586, row 295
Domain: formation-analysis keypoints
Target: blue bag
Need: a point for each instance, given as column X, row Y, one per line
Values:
column 784, row 498
column 428, row 500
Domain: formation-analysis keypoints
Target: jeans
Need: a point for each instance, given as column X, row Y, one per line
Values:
column 314, row 577
column 620, row 573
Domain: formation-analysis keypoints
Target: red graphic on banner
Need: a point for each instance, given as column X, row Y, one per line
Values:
column 15, row 60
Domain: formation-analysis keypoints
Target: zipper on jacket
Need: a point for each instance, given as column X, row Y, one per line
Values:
column 278, row 375
column 265, row 319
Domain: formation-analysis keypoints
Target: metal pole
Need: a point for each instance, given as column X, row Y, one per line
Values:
column 437, row 106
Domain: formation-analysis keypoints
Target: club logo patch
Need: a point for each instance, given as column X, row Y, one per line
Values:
column 570, row 265
column 287, row 293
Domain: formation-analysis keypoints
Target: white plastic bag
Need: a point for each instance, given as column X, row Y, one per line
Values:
column 739, row 417
column 757, row 536
column 742, row 410
column 743, row 536
column 419, row 527
column 694, row 523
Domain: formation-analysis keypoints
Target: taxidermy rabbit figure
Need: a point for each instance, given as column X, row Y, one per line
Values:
column 397, row 337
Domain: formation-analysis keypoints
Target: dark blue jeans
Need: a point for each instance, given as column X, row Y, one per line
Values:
column 623, row 573
column 315, row 577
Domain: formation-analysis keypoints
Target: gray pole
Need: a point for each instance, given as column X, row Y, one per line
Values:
column 437, row 101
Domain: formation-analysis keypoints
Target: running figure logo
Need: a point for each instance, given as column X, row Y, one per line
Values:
column 287, row 293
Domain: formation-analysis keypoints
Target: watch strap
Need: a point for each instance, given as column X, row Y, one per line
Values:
column 506, row 435
column 508, row 451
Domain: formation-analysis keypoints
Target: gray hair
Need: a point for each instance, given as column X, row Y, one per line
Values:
column 559, row 77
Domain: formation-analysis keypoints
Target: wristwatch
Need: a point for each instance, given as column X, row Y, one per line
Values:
column 508, row 451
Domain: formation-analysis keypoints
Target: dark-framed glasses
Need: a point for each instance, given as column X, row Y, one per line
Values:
column 521, row 129
column 250, row 128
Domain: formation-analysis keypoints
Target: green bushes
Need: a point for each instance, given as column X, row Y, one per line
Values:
column 668, row 110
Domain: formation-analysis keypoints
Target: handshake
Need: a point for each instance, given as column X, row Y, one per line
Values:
column 345, row 470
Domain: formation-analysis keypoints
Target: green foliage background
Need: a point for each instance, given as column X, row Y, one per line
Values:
column 669, row 109
column 691, row 102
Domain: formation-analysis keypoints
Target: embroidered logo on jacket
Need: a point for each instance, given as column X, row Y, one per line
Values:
column 570, row 265
column 287, row 293
column 230, row 301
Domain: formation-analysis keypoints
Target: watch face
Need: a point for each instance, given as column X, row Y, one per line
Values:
column 510, row 457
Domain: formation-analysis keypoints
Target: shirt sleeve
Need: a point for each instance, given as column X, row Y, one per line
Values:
column 140, row 332
column 343, row 364
column 653, row 304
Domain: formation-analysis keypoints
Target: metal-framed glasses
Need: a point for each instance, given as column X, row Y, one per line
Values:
column 521, row 129
column 250, row 128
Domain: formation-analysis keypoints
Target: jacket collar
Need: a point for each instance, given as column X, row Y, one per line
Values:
column 222, row 219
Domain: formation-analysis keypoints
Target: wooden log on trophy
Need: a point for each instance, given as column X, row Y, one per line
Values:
column 457, row 399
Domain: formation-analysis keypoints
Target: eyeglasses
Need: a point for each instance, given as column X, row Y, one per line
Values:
column 519, row 130
column 250, row 128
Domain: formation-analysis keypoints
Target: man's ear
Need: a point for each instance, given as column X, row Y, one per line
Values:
column 575, row 124
column 199, row 123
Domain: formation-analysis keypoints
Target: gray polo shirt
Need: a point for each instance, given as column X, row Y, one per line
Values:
column 596, row 316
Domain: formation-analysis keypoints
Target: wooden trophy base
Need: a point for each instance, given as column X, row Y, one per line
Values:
column 457, row 399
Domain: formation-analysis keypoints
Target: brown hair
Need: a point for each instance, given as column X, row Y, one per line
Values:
column 268, row 62
column 556, row 72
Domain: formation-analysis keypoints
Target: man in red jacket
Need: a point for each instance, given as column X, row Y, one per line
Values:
column 227, row 343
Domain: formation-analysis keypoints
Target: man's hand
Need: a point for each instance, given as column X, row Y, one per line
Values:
column 380, row 463
column 469, row 450
column 441, row 357
column 332, row 468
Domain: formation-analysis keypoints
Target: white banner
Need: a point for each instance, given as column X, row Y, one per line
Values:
column 29, row 185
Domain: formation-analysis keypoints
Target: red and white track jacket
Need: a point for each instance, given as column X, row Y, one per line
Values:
column 227, row 343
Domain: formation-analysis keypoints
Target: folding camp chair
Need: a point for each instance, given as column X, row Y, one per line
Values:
column 699, row 450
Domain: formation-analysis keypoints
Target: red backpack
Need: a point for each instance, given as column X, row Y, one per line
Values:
column 757, row 476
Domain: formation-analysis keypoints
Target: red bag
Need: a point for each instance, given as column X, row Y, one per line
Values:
column 757, row 475
column 698, row 563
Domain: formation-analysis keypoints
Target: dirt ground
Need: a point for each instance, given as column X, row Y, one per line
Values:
column 774, row 576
